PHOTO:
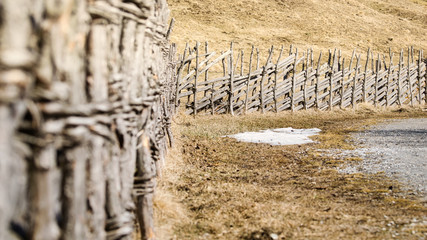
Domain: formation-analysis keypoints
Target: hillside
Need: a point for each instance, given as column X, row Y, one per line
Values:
column 319, row 24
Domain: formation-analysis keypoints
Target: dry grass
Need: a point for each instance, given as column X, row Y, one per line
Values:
column 217, row 188
column 318, row 24
column 223, row 189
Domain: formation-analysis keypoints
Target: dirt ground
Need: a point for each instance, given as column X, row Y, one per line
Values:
column 218, row 188
column 317, row 24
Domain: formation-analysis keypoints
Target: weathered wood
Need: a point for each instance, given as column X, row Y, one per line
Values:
column 389, row 78
column 327, row 85
column 81, row 113
column 377, row 69
column 399, row 86
column 249, row 78
column 231, row 72
column 331, row 82
column 420, row 59
column 196, row 69
column 342, row 83
column 276, row 79
column 293, row 81
column 317, row 81
column 365, row 77
column 411, row 93
column 178, row 79
column 264, row 74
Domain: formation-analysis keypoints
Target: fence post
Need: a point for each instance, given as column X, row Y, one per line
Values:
column 388, row 78
column 378, row 67
column 425, row 77
column 342, row 82
column 257, row 67
column 207, row 63
column 398, row 78
column 365, row 76
column 408, row 74
column 419, row 77
column 331, row 97
column 317, row 81
column 249, row 79
column 179, row 76
column 231, row 71
column 293, row 81
column 305, row 81
column 275, row 80
column 261, row 84
column 195, row 79
column 353, row 100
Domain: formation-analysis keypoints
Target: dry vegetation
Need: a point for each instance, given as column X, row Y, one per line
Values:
column 319, row 24
column 216, row 188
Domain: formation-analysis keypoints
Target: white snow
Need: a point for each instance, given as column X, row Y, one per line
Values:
column 279, row 136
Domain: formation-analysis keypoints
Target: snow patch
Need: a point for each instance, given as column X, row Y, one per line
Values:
column 279, row 136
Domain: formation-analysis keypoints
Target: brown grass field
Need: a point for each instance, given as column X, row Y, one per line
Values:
column 317, row 24
column 214, row 187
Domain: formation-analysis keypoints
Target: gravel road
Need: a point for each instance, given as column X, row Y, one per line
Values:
column 399, row 148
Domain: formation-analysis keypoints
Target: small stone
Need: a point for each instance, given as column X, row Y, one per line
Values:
column 274, row 236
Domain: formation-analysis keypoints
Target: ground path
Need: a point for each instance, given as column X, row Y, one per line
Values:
column 399, row 148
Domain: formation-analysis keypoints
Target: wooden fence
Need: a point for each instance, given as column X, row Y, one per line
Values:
column 84, row 117
column 222, row 84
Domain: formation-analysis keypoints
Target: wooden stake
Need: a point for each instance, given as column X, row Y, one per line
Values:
column 330, row 81
column 275, row 80
column 420, row 77
column 195, row 80
column 264, row 73
column 231, row 81
column 178, row 78
column 399, row 87
column 376, row 80
column 353, row 100
column 388, row 79
column 249, row 79
column 365, row 77
column 207, row 62
column 293, row 82
column 342, row 82
column 409, row 79
column 317, row 81
column 305, row 81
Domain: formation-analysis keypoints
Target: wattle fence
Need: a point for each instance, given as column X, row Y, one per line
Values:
column 213, row 84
